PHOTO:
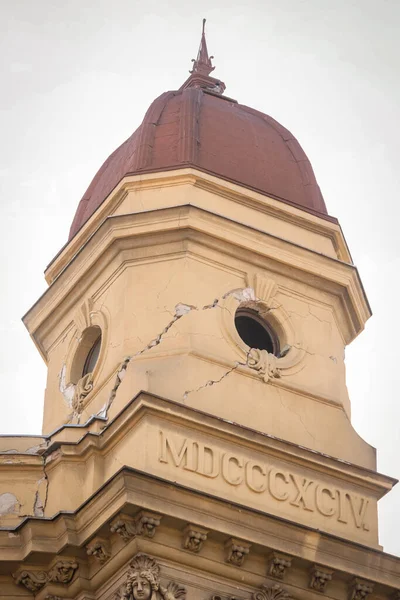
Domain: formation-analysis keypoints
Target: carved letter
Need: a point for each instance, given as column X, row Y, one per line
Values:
column 302, row 486
column 251, row 468
column 228, row 458
column 359, row 513
column 273, row 488
column 320, row 490
column 342, row 518
column 185, row 455
column 209, row 455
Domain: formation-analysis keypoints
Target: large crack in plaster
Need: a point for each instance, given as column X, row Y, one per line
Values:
column 211, row 382
column 40, row 494
column 287, row 407
column 181, row 310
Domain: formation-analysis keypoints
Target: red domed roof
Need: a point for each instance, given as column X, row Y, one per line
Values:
column 196, row 126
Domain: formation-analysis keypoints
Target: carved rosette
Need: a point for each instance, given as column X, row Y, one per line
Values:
column 31, row 580
column 99, row 549
column 360, row 589
column 145, row 571
column 320, row 578
column 194, row 538
column 236, row 551
column 274, row 592
column 63, row 571
column 278, row 564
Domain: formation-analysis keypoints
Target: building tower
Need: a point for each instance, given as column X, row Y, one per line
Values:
column 197, row 440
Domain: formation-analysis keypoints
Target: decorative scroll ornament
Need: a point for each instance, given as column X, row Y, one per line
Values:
column 32, row 580
column 274, row 592
column 319, row 578
column 278, row 565
column 82, row 389
column 264, row 363
column 143, row 582
column 63, row 571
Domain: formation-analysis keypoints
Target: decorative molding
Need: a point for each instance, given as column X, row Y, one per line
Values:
column 124, row 526
column 236, row 551
column 32, row 580
column 319, row 578
column 82, row 389
column 144, row 571
column 82, row 318
column 99, row 548
column 194, row 537
column 63, row 571
column 360, row 589
column 143, row 524
column 86, row 323
column 274, row 592
column 264, row 288
column 264, row 363
column 278, row 564
column 147, row 523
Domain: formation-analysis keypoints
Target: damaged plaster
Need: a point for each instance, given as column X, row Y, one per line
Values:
column 9, row 504
column 68, row 391
column 181, row 309
column 211, row 382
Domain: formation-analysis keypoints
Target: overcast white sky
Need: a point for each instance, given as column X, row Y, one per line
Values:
column 76, row 78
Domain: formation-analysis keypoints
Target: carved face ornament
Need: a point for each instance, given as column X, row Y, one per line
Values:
column 141, row 588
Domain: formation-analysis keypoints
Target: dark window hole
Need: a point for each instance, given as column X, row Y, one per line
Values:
column 255, row 332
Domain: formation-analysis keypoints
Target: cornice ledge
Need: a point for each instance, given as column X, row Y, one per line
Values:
column 118, row 233
column 146, row 404
column 196, row 177
column 134, row 490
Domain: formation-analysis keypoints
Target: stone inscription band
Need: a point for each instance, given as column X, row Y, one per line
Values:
column 279, row 484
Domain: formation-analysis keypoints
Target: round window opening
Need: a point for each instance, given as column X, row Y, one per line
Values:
column 92, row 357
column 255, row 331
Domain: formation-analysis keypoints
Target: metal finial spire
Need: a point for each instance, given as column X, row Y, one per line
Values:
column 203, row 65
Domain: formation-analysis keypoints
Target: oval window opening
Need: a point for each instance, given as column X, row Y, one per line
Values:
column 92, row 357
column 255, row 332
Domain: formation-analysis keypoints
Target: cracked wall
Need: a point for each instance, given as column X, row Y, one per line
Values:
column 168, row 304
column 23, row 487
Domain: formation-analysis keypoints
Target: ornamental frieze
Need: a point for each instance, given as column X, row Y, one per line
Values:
column 266, row 481
column 34, row 580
